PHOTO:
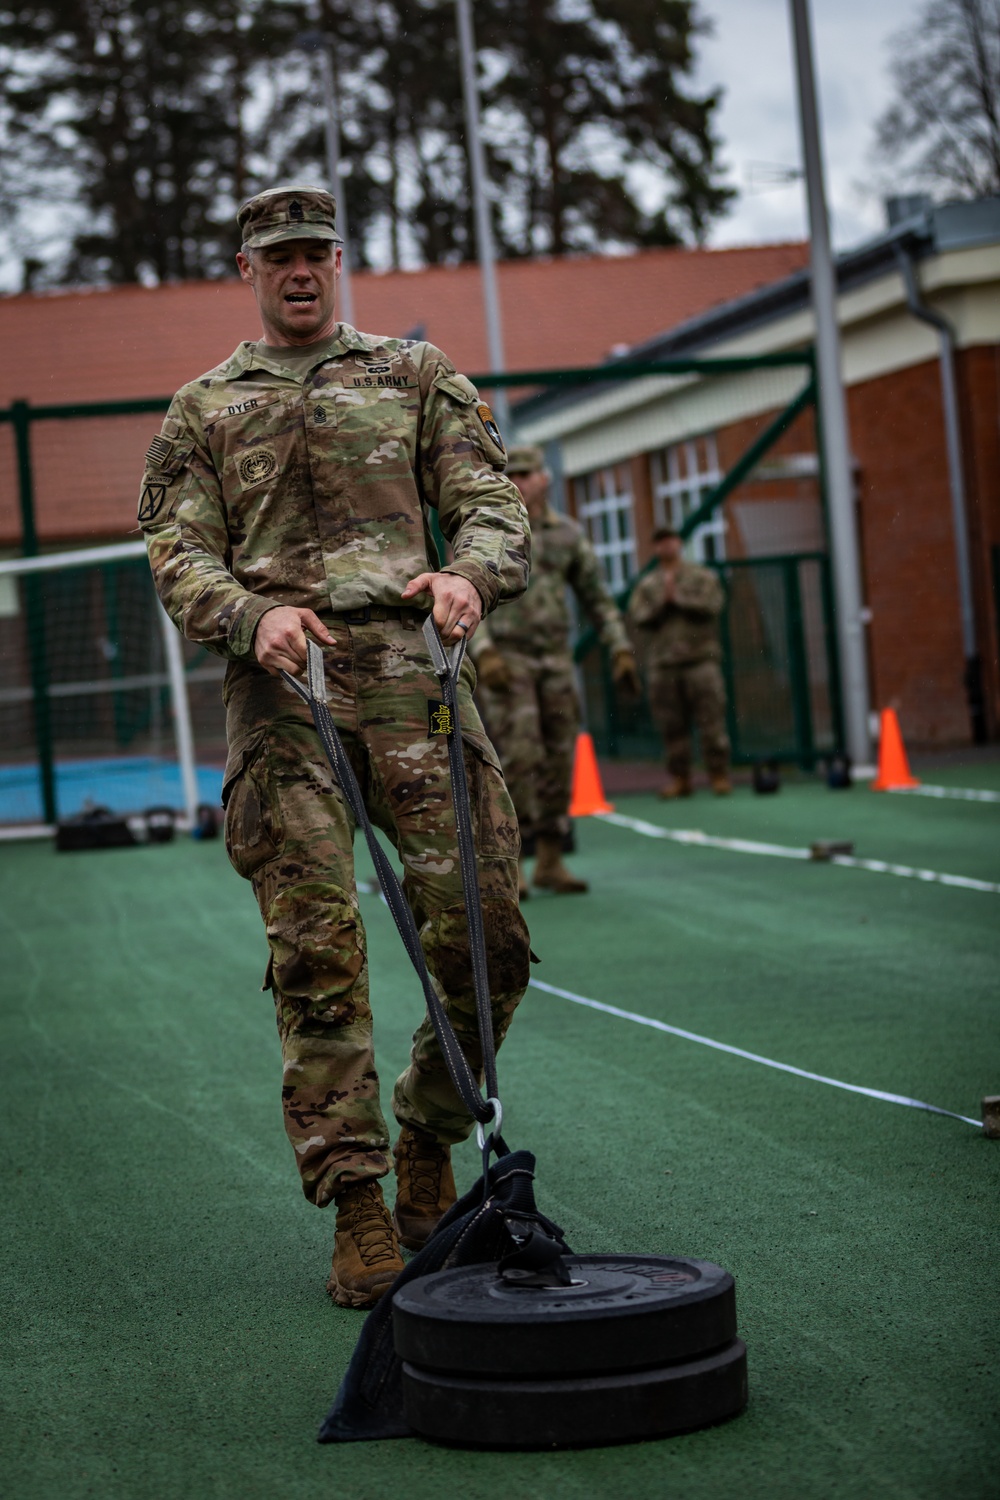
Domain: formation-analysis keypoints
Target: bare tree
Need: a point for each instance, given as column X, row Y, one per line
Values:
column 943, row 130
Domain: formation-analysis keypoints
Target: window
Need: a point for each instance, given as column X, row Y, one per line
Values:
column 606, row 512
column 683, row 475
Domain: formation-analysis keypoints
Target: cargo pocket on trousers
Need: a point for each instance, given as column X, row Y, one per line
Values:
column 493, row 816
column 253, row 823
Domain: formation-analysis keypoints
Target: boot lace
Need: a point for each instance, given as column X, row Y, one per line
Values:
column 371, row 1228
column 425, row 1161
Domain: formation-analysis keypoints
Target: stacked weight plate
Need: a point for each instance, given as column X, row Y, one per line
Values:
column 640, row 1346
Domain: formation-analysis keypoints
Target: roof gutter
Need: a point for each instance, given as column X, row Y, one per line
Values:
column 956, row 483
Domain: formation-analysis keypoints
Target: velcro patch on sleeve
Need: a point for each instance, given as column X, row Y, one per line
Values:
column 158, row 452
column 151, row 501
column 493, row 441
column 439, row 717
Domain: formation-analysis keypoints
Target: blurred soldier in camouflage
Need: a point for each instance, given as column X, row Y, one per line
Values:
column 525, row 666
column 677, row 607
column 286, row 493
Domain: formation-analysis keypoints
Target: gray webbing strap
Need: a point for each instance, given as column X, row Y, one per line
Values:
column 313, row 692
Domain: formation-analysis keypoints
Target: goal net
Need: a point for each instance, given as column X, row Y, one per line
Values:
column 101, row 701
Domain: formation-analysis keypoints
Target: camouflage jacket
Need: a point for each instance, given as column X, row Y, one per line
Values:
column 685, row 630
column 269, row 485
column 539, row 622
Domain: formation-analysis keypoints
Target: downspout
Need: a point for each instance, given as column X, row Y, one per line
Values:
column 956, row 483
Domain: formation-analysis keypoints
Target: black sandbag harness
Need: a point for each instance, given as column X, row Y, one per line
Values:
column 497, row 1220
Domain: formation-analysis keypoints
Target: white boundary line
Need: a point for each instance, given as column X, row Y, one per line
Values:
column 768, row 1062
column 790, row 851
column 962, row 793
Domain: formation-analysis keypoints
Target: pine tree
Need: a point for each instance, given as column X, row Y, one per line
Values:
column 150, row 122
column 137, row 111
column 589, row 101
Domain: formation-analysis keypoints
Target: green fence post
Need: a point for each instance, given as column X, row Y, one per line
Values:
column 832, row 655
column 35, row 611
column 724, row 576
column 798, row 666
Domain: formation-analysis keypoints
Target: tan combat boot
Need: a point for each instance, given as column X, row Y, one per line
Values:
column 550, row 872
column 720, row 784
column 425, row 1186
column 366, row 1258
column 677, row 786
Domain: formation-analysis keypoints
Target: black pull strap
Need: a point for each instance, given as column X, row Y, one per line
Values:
column 313, row 692
column 447, row 670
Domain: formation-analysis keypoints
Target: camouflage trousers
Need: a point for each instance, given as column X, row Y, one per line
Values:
column 534, row 726
column 686, row 695
column 290, row 832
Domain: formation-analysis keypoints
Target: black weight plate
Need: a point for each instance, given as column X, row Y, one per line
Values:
column 629, row 1312
column 587, row 1412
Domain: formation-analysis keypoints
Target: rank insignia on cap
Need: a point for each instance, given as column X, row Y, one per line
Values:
column 295, row 211
column 489, row 422
column 439, row 720
column 153, row 496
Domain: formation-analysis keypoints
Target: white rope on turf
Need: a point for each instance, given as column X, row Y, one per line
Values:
column 960, row 793
column 768, row 1062
column 789, row 851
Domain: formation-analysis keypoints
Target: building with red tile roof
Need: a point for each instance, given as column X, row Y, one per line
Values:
column 128, row 343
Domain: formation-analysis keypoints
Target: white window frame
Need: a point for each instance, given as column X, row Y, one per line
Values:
column 607, row 511
column 681, row 477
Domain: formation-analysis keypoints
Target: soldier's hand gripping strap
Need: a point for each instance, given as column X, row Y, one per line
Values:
column 313, row 692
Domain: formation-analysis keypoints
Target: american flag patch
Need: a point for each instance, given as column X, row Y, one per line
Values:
column 158, row 451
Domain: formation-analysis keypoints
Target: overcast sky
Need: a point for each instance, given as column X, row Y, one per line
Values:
column 750, row 55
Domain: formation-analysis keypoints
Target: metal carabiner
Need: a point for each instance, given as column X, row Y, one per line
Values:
column 497, row 1123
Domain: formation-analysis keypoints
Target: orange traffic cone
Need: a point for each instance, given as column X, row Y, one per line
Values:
column 588, row 793
column 893, row 767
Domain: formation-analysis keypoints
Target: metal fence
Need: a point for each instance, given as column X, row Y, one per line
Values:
column 778, row 659
column 100, row 702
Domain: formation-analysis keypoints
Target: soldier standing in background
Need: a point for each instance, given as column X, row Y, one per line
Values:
column 524, row 660
column 286, row 493
column 677, row 607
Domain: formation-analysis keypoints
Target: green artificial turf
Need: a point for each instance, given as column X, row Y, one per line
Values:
column 165, row 1327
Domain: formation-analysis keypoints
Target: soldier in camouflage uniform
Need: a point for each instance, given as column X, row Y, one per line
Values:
column 287, row 492
column 525, row 664
column 676, row 607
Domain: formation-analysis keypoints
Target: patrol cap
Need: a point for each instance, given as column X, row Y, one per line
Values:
column 525, row 460
column 293, row 212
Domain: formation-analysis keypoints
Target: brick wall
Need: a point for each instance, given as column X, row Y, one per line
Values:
column 898, row 439
column 905, row 526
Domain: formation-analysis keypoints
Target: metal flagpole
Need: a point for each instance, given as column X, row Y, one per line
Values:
column 320, row 43
column 484, row 232
column 833, row 413
column 331, row 115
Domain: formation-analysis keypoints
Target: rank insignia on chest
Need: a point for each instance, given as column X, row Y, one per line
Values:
column 439, row 719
